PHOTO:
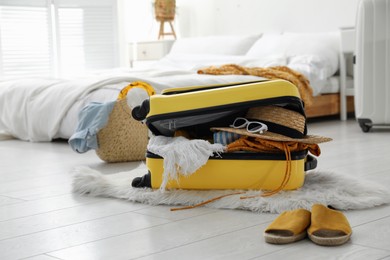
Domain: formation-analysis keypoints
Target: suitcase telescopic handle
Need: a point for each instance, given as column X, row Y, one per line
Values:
column 140, row 112
column 311, row 163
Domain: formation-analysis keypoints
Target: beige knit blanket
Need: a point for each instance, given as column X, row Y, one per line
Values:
column 278, row 72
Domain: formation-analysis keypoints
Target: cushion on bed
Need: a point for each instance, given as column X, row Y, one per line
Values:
column 223, row 45
column 322, row 49
column 316, row 51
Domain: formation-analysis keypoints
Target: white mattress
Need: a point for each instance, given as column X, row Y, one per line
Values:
column 332, row 85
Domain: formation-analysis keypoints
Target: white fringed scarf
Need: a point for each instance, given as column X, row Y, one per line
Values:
column 181, row 155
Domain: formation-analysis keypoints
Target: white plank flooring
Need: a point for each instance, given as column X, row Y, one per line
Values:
column 41, row 219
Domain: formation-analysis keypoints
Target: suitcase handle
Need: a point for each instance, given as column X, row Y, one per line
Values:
column 139, row 113
column 311, row 162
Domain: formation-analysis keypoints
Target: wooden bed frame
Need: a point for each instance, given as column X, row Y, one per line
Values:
column 327, row 105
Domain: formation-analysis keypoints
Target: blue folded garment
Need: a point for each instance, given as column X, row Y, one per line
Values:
column 225, row 138
column 92, row 118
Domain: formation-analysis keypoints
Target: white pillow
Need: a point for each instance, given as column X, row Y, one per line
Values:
column 301, row 50
column 270, row 44
column 224, row 45
column 321, row 49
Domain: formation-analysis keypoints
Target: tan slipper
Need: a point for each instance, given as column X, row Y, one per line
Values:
column 328, row 227
column 288, row 227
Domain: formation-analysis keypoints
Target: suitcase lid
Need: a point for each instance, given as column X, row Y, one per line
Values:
column 216, row 105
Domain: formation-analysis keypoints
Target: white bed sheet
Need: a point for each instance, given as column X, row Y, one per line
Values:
column 44, row 109
column 332, row 85
column 308, row 67
column 193, row 62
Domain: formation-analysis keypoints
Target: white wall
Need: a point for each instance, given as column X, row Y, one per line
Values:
column 192, row 19
column 196, row 17
column 213, row 17
column 254, row 16
column 140, row 24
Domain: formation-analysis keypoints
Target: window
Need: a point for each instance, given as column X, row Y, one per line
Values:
column 25, row 39
column 47, row 38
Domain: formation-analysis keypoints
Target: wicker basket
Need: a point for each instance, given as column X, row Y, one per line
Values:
column 165, row 10
column 123, row 139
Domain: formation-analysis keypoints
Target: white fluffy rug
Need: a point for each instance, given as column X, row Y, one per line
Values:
column 339, row 191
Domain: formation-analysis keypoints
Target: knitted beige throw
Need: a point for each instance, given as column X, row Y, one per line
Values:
column 278, row 72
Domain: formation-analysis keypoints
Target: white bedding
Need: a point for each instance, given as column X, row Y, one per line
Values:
column 332, row 85
column 44, row 109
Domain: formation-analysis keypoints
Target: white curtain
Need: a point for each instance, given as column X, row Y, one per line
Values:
column 25, row 38
column 51, row 38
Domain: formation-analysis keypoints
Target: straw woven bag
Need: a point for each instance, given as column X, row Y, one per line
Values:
column 123, row 139
column 165, row 10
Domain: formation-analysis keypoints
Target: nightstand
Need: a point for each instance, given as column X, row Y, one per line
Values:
column 347, row 49
column 148, row 51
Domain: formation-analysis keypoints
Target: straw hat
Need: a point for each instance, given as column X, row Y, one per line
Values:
column 283, row 125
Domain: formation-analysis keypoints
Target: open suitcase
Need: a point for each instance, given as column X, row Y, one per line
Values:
column 197, row 109
column 372, row 81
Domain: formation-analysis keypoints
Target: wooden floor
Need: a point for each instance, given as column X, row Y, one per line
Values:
column 41, row 219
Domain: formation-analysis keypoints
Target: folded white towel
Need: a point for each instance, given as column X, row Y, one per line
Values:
column 181, row 155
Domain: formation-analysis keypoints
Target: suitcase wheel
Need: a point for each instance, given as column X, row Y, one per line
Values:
column 311, row 163
column 365, row 124
column 142, row 182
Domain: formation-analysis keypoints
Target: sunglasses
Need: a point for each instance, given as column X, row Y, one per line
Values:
column 251, row 126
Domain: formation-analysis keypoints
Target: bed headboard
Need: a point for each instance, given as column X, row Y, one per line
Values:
column 221, row 17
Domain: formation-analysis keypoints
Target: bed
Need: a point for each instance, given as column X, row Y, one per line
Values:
column 37, row 109
column 316, row 55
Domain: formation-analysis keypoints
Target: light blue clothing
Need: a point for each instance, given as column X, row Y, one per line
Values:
column 92, row 118
column 225, row 138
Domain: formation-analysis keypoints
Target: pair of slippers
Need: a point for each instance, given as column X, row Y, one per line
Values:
column 324, row 226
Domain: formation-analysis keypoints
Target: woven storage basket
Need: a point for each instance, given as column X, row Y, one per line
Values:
column 165, row 10
column 123, row 139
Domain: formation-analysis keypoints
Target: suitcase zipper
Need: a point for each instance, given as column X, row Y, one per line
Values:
column 174, row 91
column 299, row 155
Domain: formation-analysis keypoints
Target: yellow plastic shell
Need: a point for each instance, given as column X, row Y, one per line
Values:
column 233, row 174
column 219, row 95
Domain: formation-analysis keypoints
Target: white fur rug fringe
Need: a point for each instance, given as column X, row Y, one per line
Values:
column 342, row 192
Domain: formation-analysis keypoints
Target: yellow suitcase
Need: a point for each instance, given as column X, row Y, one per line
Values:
column 197, row 109
column 247, row 171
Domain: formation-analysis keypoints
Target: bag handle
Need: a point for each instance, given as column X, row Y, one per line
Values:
column 136, row 84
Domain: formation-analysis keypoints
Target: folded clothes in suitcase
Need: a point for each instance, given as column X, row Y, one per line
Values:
column 199, row 112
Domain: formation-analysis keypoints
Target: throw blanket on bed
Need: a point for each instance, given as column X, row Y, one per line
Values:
column 278, row 72
column 38, row 109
